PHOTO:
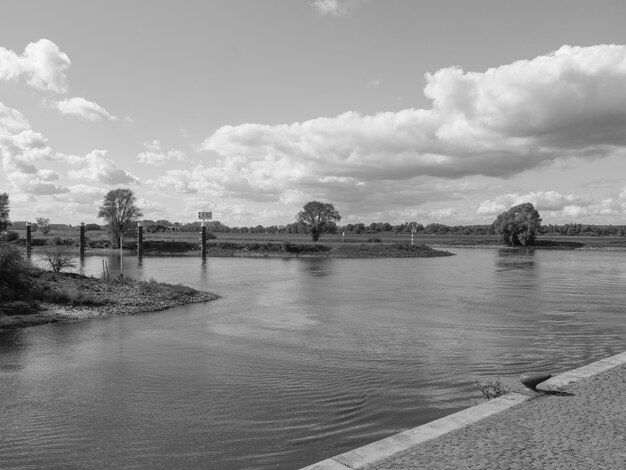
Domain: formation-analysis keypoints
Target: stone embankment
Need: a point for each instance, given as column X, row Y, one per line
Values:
column 576, row 421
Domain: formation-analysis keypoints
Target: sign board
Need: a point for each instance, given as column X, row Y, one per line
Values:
column 205, row 215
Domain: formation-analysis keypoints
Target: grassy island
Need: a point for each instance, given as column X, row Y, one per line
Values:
column 30, row 296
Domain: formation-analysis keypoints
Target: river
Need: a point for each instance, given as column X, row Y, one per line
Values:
column 300, row 359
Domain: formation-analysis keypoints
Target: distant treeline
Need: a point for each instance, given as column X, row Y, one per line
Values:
column 385, row 227
column 151, row 226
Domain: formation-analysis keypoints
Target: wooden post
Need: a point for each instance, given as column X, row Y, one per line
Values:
column 203, row 244
column 29, row 239
column 140, row 239
column 82, row 240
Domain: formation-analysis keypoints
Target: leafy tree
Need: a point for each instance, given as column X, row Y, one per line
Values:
column 4, row 212
column 44, row 224
column 119, row 210
column 518, row 225
column 319, row 218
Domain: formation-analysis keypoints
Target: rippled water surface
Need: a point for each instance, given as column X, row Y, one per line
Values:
column 300, row 359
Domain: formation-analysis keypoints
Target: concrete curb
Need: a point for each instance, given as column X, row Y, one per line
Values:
column 363, row 457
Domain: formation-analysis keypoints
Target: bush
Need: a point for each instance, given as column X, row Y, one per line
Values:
column 59, row 257
column 62, row 241
column 11, row 236
column 13, row 269
column 492, row 388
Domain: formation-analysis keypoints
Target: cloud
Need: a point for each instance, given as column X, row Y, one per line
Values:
column 154, row 156
column 559, row 207
column 373, row 83
column 96, row 167
column 22, row 151
column 78, row 106
column 497, row 123
column 42, row 66
column 542, row 200
column 334, row 7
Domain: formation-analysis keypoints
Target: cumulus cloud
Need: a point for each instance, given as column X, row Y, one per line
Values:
column 334, row 7
column 22, row 151
column 42, row 66
column 154, row 156
column 96, row 167
column 542, row 200
column 498, row 123
column 79, row 106
column 559, row 207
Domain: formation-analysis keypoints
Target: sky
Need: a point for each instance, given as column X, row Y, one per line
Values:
column 447, row 111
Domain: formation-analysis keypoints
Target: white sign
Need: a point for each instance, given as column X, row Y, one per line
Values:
column 205, row 215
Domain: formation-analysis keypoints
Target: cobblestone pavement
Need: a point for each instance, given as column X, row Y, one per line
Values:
column 582, row 428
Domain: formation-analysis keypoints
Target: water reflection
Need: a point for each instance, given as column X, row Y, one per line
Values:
column 317, row 267
column 522, row 258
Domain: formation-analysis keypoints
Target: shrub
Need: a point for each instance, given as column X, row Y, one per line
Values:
column 492, row 388
column 13, row 269
column 59, row 257
column 11, row 236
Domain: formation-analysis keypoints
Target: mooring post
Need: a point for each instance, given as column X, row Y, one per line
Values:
column 29, row 239
column 82, row 240
column 203, row 244
column 140, row 239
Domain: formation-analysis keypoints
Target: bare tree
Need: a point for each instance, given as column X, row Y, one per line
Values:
column 59, row 257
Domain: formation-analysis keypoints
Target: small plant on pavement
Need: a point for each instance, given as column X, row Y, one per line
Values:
column 492, row 388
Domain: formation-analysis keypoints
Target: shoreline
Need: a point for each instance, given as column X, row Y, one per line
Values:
column 82, row 298
column 453, row 441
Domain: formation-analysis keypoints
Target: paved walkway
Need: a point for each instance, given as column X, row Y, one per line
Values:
column 581, row 424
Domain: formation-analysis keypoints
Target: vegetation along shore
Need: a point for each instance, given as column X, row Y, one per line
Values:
column 31, row 296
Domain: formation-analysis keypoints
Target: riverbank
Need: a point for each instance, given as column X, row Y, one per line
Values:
column 575, row 421
column 68, row 297
column 268, row 249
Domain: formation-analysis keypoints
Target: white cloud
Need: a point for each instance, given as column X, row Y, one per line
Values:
column 334, row 7
column 22, row 152
column 558, row 207
column 96, row 167
column 542, row 200
column 504, row 121
column 154, row 156
column 42, row 66
column 79, row 106
column 373, row 83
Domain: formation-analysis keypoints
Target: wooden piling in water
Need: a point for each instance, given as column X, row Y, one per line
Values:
column 140, row 239
column 203, row 243
column 29, row 239
column 82, row 240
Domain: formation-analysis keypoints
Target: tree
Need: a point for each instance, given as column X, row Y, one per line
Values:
column 4, row 212
column 44, row 223
column 318, row 218
column 59, row 257
column 518, row 225
column 118, row 209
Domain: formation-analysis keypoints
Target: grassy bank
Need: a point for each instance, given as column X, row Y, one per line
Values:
column 31, row 296
column 181, row 242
